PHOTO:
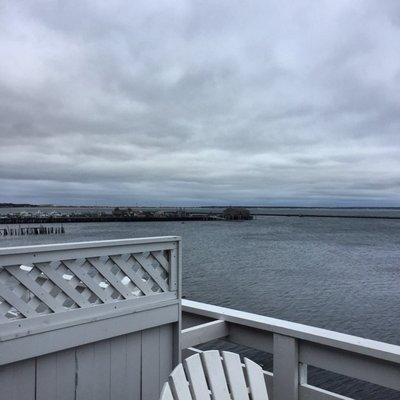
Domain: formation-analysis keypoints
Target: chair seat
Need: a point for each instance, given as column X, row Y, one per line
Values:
column 214, row 376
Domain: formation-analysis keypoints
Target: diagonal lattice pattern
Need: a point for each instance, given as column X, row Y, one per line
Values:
column 27, row 290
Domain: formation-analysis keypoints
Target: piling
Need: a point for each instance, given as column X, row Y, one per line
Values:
column 32, row 230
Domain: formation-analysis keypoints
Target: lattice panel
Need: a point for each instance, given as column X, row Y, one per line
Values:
column 28, row 290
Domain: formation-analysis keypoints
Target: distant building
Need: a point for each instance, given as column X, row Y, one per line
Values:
column 236, row 213
column 123, row 212
column 117, row 212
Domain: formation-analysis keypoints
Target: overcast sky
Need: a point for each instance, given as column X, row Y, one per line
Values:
column 200, row 102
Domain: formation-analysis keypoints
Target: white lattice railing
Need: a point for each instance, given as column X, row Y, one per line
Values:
column 47, row 280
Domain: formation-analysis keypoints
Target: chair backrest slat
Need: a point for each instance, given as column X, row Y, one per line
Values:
column 234, row 373
column 215, row 374
column 166, row 393
column 197, row 379
column 256, row 380
column 180, row 385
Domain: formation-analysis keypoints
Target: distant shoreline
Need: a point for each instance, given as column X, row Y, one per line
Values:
column 308, row 208
column 326, row 216
column 14, row 205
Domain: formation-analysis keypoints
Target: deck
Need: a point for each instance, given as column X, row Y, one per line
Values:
column 103, row 320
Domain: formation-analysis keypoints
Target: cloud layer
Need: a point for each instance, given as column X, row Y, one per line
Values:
column 200, row 102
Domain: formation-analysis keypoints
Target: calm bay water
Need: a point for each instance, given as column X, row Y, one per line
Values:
column 334, row 273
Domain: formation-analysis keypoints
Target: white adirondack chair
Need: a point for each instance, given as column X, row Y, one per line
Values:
column 215, row 376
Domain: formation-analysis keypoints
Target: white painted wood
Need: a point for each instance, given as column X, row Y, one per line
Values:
column 108, row 369
column 177, row 342
column 86, row 377
column 4, row 309
column 372, row 348
column 46, row 377
column 175, row 267
column 66, row 375
column 24, row 384
column 269, row 381
column 196, row 377
column 166, row 393
column 14, row 300
column 77, row 335
column 255, row 377
column 155, row 275
column 122, row 349
column 212, row 376
column 55, row 376
column 303, row 373
column 63, row 284
column 309, row 392
column 286, row 368
column 151, row 384
column 7, row 381
column 133, row 364
column 17, row 381
column 35, row 288
column 215, row 375
column 77, row 269
column 118, row 368
column 116, row 244
column 134, row 277
column 158, row 255
column 179, row 261
column 166, row 351
column 105, row 270
column 179, row 384
column 102, row 370
column 65, row 277
column 235, row 377
column 44, row 323
column 359, row 366
column 204, row 333
column 190, row 351
column 33, row 254
column 360, row 363
column 251, row 337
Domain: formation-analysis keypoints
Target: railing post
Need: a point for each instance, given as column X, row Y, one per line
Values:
column 176, row 284
column 303, row 374
column 286, row 368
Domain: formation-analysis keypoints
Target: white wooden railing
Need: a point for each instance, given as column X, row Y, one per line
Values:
column 48, row 280
column 90, row 320
column 294, row 346
column 64, row 307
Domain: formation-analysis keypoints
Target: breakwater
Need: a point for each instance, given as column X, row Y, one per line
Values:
column 307, row 215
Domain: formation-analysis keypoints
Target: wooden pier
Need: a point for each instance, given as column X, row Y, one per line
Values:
column 104, row 218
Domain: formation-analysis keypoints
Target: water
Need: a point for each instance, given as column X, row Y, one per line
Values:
column 339, row 274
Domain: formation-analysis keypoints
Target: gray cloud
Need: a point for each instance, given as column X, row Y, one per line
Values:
column 200, row 102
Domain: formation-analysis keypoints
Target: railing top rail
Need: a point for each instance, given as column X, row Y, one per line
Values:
column 372, row 348
column 84, row 245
